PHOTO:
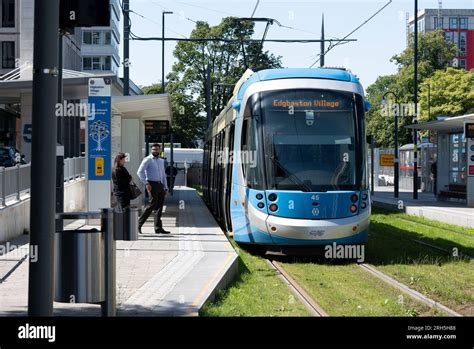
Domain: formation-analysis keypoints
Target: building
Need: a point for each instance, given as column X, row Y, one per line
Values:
column 94, row 51
column 100, row 45
column 458, row 27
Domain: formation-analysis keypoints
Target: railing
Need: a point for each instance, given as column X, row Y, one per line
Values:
column 16, row 180
column 74, row 168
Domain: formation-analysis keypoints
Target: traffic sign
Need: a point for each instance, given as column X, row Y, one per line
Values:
column 387, row 159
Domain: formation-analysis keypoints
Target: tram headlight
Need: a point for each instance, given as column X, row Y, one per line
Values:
column 354, row 198
column 261, row 205
column 353, row 208
column 259, row 196
column 272, row 197
column 273, row 207
column 363, row 205
column 364, row 196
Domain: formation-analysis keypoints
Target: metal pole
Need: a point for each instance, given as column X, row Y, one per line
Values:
column 415, row 100
column 109, row 307
column 17, row 172
column 43, row 164
column 60, row 131
column 163, row 53
column 396, row 174
column 323, row 48
column 126, row 47
column 429, row 102
column 171, row 163
column 372, row 165
column 208, row 96
column 396, row 160
column 163, row 50
column 4, row 196
column 60, row 140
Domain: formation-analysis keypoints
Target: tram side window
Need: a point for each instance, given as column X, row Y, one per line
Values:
column 249, row 153
column 243, row 145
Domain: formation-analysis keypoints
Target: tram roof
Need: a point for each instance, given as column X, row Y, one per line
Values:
column 298, row 73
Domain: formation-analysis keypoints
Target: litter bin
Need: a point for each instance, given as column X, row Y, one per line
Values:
column 80, row 265
column 126, row 224
column 85, row 267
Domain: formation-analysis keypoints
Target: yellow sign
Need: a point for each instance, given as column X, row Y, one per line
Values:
column 387, row 159
column 99, row 166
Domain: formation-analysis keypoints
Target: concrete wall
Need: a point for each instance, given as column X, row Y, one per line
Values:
column 15, row 219
column 26, row 34
column 133, row 144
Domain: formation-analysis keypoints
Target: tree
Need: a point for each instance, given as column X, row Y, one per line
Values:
column 434, row 54
column 152, row 89
column 451, row 93
column 227, row 63
column 187, row 126
column 380, row 125
column 433, row 49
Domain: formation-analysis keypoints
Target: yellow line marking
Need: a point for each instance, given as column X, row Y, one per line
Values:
column 199, row 297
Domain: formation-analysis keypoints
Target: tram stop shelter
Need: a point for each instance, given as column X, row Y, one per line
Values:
column 455, row 157
column 136, row 112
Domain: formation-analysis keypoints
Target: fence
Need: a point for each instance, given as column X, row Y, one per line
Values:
column 74, row 168
column 16, row 180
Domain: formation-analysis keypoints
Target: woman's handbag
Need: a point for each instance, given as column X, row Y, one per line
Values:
column 134, row 190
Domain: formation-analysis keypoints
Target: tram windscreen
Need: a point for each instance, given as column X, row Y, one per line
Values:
column 310, row 140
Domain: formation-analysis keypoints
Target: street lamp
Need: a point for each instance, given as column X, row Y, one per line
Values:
column 395, row 160
column 415, row 100
column 163, row 50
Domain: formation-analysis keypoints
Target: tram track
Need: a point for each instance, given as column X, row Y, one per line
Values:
column 436, row 227
column 316, row 310
column 313, row 307
column 407, row 290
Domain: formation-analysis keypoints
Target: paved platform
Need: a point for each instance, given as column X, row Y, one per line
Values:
column 158, row 275
column 451, row 212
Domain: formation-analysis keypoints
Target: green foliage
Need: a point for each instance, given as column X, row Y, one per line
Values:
column 153, row 89
column 433, row 51
column 226, row 63
column 434, row 54
column 451, row 93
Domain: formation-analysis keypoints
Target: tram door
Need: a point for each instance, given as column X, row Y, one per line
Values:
column 228, row 178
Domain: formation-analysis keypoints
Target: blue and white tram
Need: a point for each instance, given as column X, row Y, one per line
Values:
column 285, row 161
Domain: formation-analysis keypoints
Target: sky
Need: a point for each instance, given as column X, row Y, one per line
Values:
column 368, row 57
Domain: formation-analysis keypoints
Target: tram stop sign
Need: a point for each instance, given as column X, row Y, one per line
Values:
column 154, row 128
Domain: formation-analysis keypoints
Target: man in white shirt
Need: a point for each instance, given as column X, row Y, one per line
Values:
column 152, row 173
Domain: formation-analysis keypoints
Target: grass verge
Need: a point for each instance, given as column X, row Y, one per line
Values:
column 256, row 292
column 447, row 277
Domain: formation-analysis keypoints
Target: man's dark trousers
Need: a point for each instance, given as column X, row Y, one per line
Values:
column 155, row 204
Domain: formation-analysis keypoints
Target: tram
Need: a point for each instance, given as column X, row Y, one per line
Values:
column 285, row 162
